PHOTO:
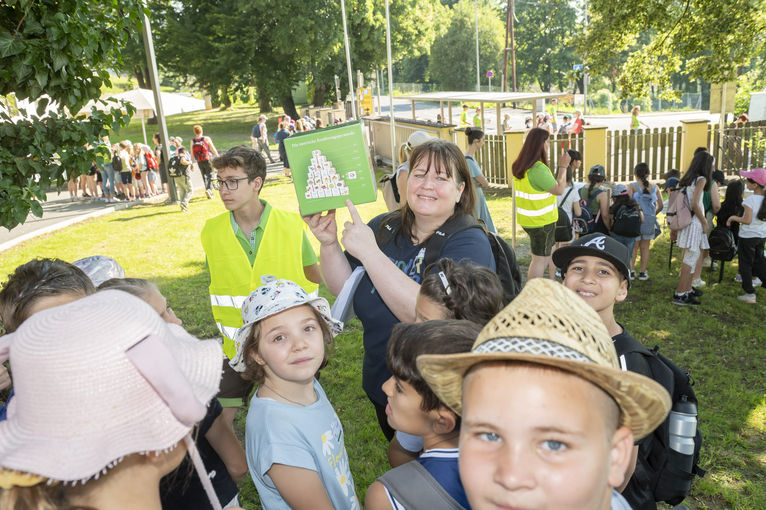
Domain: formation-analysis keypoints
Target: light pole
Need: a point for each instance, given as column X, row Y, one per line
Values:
column 478, row 83
column 348, row 59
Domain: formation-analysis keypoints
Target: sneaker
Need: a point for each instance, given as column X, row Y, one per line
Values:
column 747, row 298
column 698, row 282
column 208, row 193
column 696, row 292
column 686, row 299
column 738, row 278
column 757, row 282
column 643, row 275
column 632, row 275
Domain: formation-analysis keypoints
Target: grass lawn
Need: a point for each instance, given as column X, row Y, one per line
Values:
column 721, row 342
column 226, row 128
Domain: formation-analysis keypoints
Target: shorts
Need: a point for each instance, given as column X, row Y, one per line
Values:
column 234, row 390
column 126, row 177
column 152, row 176
column 541, row 239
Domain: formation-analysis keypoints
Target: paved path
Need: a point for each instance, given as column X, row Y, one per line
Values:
column 59, row 211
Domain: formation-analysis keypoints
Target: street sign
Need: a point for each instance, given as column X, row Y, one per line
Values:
column 577, row 67
column 490, row 74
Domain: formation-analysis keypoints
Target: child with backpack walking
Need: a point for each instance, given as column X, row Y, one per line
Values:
column 752, row 234
column 450, row 290
column 203, row 150
column 626, row 218
column 294, row 440
column 432, row 480
column 595, row 197
column 596, row 268
column 693, row 238
column 649, row 197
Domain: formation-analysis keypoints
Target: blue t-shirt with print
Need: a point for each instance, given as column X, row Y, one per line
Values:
column 378, row 320
column 309, row 437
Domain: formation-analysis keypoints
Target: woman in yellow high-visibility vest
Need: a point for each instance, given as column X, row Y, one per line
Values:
column 535, row 192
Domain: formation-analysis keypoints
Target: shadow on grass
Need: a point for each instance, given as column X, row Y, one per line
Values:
column 133, row 218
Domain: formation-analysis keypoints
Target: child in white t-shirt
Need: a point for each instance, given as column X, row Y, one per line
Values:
column 752, row 234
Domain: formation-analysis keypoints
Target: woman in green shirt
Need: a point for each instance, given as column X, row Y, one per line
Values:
column 535, row 190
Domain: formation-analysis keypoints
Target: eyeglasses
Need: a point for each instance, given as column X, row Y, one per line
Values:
column 231, row 184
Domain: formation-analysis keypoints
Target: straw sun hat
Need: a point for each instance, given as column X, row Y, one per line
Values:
column 90, row 392
column 548, row 324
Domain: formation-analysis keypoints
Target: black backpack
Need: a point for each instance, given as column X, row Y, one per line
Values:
column 116, row 162
column 661, row 473
column 175, row 168
column 722, row 245
column 563, row 232
column 627, row 221
column 506, row 266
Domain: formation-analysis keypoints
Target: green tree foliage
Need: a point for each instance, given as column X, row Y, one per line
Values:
column 60, row 49
column 708, row 39
column 453, row 54
column 544, row 43
column 275, row 44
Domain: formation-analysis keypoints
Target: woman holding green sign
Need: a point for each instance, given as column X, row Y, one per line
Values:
column 391, row 249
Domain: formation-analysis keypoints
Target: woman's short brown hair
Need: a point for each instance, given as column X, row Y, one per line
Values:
column 447, row 155
column 197, row 129
column 254, row 371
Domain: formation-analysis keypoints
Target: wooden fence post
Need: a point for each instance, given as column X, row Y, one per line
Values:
column 594, row 147
column 514, row 140
column 693, row 135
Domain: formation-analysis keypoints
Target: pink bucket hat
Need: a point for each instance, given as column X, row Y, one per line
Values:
column 273, row 297
column 756, row 174
column 86, row 396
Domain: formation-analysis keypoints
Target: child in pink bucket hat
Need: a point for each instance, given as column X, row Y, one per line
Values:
column 752, row 234
column 101, row 414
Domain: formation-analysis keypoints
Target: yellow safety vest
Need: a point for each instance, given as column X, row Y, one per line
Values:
column 534, row 208
column 231, row 276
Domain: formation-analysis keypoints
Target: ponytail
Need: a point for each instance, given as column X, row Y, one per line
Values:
column 473, row 134
column 641, row 171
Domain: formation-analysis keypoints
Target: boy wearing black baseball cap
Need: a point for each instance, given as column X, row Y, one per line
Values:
column 596, row 268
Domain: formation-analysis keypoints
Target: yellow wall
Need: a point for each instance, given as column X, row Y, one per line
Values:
column 693, row 135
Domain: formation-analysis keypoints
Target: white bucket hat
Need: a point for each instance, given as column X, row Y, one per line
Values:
column 271, row 298
column 86, row 396
column 100, row 268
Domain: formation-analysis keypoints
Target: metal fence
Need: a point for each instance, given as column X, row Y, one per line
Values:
column 660, row 148
column 742, row 147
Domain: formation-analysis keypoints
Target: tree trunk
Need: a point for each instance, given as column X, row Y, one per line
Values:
column 320, row 94
column 288, row 105
column 142, row 77
column 225, row 99
column 264, row 102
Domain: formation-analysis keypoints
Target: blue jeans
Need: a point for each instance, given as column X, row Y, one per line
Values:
column 108, row 175
column 627, row 241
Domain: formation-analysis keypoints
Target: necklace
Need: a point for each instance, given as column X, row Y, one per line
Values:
column 282, row 396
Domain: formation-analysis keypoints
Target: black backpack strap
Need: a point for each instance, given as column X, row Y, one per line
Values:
column 414, row 487
column 452, row 226
column 390, row 225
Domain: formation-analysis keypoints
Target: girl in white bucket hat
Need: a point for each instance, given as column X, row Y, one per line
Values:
column 101, row 413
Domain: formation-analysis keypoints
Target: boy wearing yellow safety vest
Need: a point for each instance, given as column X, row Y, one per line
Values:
column 252, row 239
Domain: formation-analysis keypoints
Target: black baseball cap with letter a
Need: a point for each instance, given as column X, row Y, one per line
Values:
column 595, row 245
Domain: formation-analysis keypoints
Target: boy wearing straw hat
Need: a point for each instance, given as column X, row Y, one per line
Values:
column 548, row 417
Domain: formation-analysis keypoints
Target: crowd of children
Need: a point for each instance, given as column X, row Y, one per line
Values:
column 543, row 403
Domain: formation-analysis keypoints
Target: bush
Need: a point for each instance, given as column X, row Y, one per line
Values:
column 604, row 98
